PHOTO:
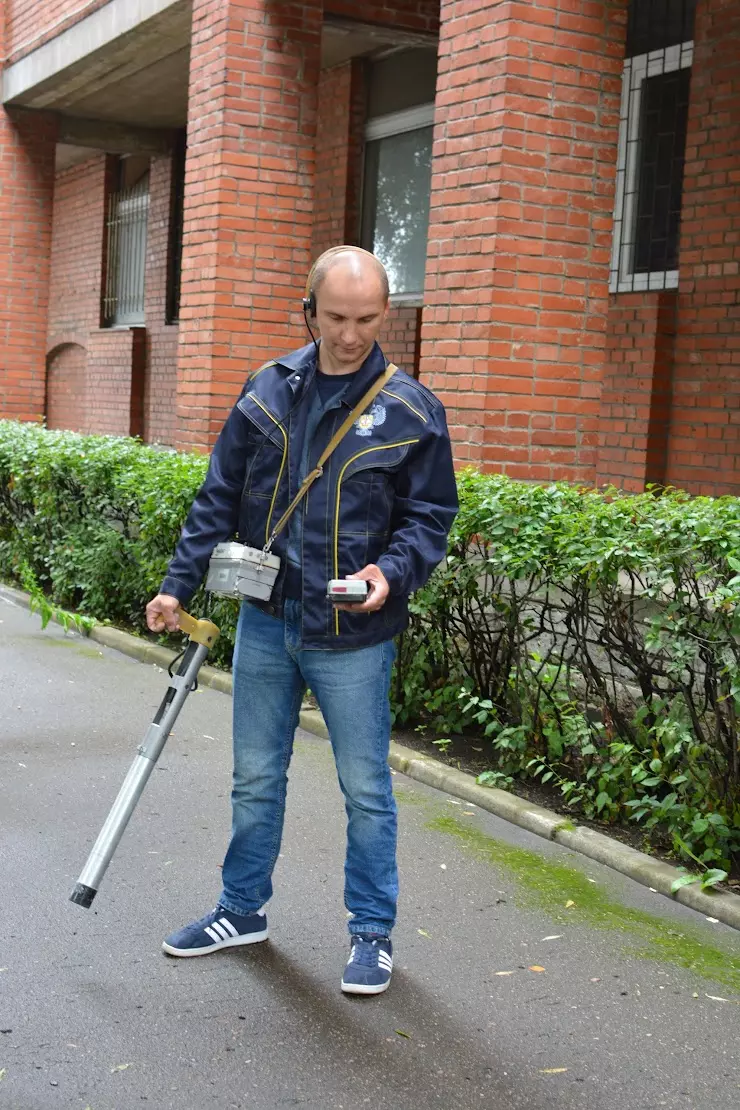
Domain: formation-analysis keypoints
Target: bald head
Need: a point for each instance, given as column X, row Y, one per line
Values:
column 350, row 287
column 352, row 265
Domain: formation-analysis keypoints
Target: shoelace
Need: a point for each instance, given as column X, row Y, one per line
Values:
column 365, row 952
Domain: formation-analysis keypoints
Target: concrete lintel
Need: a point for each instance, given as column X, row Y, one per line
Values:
column 90, row 35
column 114, row 138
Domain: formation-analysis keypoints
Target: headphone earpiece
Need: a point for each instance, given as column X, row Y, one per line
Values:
column 309, row 305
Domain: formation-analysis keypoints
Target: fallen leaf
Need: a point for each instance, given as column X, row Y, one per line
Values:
column 716, row 998
column 557, row 936
column 2, row 1073
column 504, row 973
column 595, row 980
column 423, row 933
column 443, row 866
column 452, row 802
column 714, row 920
column 536, row 967
column 119, row 1067
column 3, row 969
column 552, row 1071
column 402, row 1034
column 591, row 880
column 569, row 903
column 468, row 813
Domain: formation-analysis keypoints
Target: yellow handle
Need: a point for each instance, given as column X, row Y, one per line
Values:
column 200, row 631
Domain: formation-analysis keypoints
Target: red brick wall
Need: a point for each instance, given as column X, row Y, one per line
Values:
column 411, row 15
column 74, row 292
column 248, row 198
column 66, row 388
column 340, row 148
column 635, row 395
column 522, row 195
column 704, row 443
column 108, row 381
column 30, row 23
column 115, row 363
column 333, row 133
column 27, row 148
column 400, row 337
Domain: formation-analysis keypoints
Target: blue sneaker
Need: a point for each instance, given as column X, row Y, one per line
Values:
column 369, row 966
column 218, row 929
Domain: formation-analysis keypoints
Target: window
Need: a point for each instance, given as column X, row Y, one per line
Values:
column 652, row 140
column 398, row 165
column 128, row 218
column 177, row 206
column 398, row 174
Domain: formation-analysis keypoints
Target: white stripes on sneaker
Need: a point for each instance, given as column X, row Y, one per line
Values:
column 385, row 960
column 221, row 930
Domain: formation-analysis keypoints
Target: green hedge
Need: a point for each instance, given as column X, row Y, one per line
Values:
column 592, row 641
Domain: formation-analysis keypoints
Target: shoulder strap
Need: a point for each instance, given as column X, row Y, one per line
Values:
column 336, row 439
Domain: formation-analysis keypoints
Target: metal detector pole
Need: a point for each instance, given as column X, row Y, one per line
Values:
column 203, row 635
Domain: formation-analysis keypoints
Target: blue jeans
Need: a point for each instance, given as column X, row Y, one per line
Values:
column 271, row 673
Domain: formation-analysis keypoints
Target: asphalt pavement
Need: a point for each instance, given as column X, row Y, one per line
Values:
column 526, row 976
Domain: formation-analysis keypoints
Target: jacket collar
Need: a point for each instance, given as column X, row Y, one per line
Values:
column 302, row 364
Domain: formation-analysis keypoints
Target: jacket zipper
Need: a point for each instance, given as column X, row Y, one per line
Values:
column 367, row 451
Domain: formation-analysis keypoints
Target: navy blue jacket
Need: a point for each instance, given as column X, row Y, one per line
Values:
column 387, row 495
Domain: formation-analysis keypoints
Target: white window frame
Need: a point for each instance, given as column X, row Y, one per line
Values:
column 399, row 123
column 636, row 71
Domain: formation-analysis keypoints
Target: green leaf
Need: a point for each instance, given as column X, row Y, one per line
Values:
column 684, row 880
column 712, row 877
column 602, row 800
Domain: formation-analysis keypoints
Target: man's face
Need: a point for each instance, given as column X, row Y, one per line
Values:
column 351, row 308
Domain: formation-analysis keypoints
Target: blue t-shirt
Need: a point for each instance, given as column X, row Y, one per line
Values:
column 326, row 393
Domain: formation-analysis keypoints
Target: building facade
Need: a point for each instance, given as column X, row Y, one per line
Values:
column 554, row 186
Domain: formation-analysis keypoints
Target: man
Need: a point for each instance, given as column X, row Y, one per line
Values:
column 380, row 511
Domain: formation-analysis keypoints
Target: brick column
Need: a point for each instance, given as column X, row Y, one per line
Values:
column 525, row 144
column 248, row 198
column 704, row 440
column 339, row 155
column 27, row 151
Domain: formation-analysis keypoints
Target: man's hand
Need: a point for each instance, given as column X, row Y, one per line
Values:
column 378, row 590
column 161, row 613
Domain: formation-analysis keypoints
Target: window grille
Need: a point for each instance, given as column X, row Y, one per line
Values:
column 128, row 218
column 652, row 140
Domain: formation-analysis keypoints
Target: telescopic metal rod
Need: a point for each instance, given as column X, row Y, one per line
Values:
column 203, row 635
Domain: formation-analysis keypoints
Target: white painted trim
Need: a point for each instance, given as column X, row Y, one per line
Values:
column 396, row 123
column 636, row 71
column 88, row 35
column 408, row 300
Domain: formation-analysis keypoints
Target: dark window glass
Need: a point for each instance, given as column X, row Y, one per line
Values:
column 656, row 24
column 177, row 213
column 665, row 107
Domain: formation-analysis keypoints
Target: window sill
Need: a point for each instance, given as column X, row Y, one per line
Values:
column 407, row 300
column 653, row 282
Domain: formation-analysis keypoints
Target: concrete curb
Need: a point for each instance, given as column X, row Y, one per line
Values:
column 543, row 822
